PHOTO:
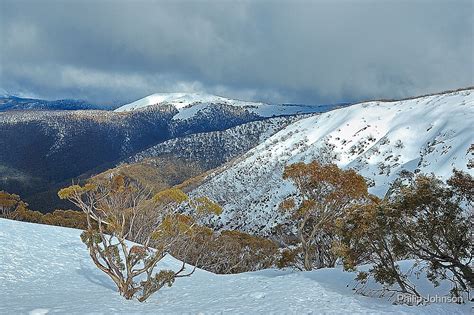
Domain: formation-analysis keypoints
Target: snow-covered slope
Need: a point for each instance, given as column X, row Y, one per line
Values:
column 189, row 104
column 378, row 139
column 45, row 269
column 212, row 149
column 180, row 100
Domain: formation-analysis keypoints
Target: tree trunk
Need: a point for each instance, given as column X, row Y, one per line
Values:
column 126, row 291
column 308, row 266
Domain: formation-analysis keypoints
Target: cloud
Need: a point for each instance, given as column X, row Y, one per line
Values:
column 275, row 51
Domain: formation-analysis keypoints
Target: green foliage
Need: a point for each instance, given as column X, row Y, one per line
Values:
column 111, row 251
column 90, row 237
column 421, row 218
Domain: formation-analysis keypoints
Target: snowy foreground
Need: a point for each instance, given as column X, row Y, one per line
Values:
column 46, row 269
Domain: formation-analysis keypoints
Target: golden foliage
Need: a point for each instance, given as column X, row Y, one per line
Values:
column 288, row 257
column 171, row 195
column 288, row 204
column 174, row 225
column 204, row 205
column 324, row 193
column 68, row 192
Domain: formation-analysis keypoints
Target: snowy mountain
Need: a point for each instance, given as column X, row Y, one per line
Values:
column 212, row 149
column 378, row 139
column 181, row 100
column 46, row 269
column 174, row 161
column 191, row 104
column 72, row 143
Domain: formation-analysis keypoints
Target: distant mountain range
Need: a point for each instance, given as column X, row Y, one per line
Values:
column 45, row 147
column 18, row 103
column 237, row 148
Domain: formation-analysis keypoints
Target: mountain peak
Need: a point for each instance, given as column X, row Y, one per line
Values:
column 180, row 100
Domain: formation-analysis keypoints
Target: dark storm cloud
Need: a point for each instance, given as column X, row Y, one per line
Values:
column 276, row 51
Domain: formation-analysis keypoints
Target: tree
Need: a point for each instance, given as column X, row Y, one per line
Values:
column 366, row 236
column 435, row 225
column 324, row 192
column 8, row 204
column 124, row 210
column 12, row 207
column 68, row 218
column 421, row 218
column 235, row 252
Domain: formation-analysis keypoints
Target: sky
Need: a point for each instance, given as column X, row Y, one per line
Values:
column 307, row 52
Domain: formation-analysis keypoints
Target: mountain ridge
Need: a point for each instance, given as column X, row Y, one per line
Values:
column 377, row 139
column 191, row 104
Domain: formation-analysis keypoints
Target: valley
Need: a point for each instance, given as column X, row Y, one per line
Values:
column 236, row 157
column 44, row 150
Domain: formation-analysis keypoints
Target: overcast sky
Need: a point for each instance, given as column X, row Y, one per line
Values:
column 274, row 51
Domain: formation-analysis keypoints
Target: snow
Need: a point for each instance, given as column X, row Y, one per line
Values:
column 181, row 100
column 431, row 134
column 45, row 269
column 189, row 104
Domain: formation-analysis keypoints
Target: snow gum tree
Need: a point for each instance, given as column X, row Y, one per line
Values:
column 423, row 219
column 366, row 236
column 435, row 225
column 8, row 204
column 118, row 210
column 324, row 192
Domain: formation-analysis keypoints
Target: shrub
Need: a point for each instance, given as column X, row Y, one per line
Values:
column 66, row 218
column 366, row 236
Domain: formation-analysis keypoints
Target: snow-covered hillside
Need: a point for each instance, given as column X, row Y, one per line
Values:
column 378, row 139
column 212, row 149
column 181, row 100
column 45, row 269
column 189, row 104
